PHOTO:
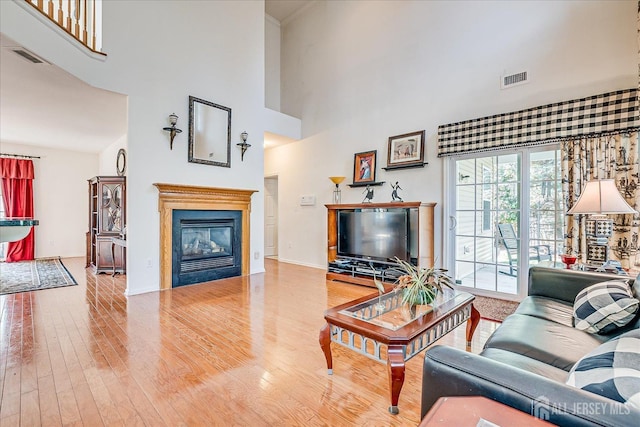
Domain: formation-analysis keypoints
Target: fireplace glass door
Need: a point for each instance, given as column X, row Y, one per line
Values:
column 206, row 240
column 206, row 246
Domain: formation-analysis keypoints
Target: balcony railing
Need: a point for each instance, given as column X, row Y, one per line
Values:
column 82, row 19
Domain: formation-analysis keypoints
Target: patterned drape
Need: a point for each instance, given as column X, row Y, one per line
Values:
column 607, row 113
column 603, row 157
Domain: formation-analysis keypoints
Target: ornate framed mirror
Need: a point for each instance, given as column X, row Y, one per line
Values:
column 121, row 162
column 209, row 133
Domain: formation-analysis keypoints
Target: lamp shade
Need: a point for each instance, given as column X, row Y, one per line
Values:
column 337, row 179
column 601, row 197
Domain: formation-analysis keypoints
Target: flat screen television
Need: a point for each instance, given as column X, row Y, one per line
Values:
column 374, row 234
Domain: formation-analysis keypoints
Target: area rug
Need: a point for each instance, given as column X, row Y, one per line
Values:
column 25, row 276
column 494, row 308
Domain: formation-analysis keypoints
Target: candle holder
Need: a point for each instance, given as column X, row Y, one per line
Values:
column 173, row 130
column 337, row 196
column 568, row 260
column 243, row 145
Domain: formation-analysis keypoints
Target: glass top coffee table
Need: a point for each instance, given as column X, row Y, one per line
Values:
column 385, row 330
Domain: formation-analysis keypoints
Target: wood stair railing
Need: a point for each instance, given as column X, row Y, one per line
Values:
column 79, row 18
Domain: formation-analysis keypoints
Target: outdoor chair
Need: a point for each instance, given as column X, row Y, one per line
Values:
column 509, row 240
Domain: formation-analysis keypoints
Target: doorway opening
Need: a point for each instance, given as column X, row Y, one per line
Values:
column 271, row 217
column 508, row 215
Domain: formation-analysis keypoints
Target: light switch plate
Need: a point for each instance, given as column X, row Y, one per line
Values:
column 307, row 200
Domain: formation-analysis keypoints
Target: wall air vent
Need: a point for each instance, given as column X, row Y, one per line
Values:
column 516, row 79
column 29, row 56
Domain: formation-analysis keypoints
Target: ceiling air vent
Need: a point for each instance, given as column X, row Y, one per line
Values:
column 514, row 79
column 29, row 56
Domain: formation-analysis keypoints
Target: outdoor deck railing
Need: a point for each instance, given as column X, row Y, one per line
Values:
column 79, row 18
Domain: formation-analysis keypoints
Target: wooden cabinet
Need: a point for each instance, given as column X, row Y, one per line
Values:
column 107, row 195
column 420, row 241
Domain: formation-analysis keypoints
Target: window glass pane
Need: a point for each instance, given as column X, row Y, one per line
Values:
column 466, row 222
column 508, row 196
column 484, row 223
column 542, row 225
column 543, row 195
column 486, row 169
column 466, row 171
column 486, row 196
column 465, row 197
column 508, row 168
column 485, row 251
column 464, row 248
column 543, row 166
column 485, row 219
column 486, row 277
column 505, row 264
column 465, row 274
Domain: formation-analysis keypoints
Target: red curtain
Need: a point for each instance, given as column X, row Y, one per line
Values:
column 17, row 195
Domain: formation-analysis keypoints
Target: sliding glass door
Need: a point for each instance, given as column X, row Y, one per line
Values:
column 494, row 199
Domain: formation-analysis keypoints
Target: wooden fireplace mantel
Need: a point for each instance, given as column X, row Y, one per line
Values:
column 189, row 197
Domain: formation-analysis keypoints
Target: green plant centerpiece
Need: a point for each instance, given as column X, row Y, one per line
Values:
column 420, row 286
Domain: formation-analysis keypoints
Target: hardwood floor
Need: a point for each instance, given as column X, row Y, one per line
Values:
column 240, row 351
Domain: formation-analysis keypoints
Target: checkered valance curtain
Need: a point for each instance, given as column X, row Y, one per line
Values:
column 612, row 112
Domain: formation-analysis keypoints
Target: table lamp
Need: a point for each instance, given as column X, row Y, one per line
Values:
column 599, row 198
column 336, row 193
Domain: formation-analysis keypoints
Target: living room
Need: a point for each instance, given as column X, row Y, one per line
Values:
column 366, row 116
column 355, row 73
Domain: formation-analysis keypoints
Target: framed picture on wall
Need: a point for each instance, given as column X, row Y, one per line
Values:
column 364, row 167
column 406, row 150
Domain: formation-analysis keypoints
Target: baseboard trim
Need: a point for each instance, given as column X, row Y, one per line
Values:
column 304, row 264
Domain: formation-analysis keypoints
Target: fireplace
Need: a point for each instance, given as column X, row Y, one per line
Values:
column 207, row 245
column 175, row 198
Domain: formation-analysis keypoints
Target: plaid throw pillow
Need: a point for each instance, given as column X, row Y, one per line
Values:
column 604, row 306
column 612, row 370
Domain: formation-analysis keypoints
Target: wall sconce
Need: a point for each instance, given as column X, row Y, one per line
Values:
column 243, row 145
column 173, row 130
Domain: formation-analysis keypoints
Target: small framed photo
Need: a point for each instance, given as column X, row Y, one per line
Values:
column 406, row 150
column 364, row 167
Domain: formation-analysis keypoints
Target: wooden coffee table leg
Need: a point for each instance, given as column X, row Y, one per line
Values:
column 472, row 324
column 395, row 365
column 325, row 344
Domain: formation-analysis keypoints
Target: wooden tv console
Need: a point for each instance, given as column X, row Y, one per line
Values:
column 425, row 238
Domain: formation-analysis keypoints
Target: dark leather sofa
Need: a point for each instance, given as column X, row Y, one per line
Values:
column 526, row 361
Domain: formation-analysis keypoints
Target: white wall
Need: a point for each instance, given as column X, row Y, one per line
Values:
column 159, row 53
column 109, row 155
column 357, row 72
column 302, row 168
column 272, row 62
column 60, row 198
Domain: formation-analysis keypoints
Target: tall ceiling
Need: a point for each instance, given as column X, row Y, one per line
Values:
column 43, row 105
column 283, row 9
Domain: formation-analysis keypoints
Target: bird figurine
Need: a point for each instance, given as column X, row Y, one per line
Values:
column 369, row 194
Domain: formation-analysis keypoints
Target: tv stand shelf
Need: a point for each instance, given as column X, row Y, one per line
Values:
column 362, row 272
column 358, row 271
